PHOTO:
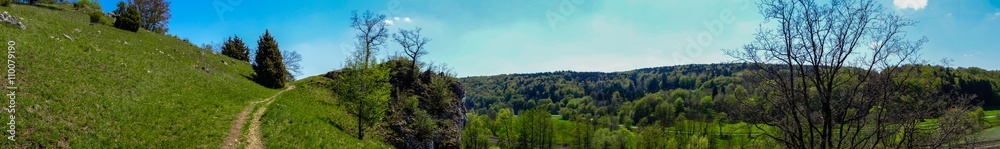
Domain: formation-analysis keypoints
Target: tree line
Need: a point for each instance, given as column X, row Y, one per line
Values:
column 842, row 74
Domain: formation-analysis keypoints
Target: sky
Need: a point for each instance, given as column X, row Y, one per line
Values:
column 490, row 37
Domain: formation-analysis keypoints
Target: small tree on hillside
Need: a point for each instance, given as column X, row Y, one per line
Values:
column 412, row 43
column 269, row 67
column 291, row 60
column 235, row 48
column 154, row 14
column 87, row 4
column 364, row 83
column 127, row 17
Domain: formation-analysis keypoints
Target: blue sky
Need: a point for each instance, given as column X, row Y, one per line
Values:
column 492, row 37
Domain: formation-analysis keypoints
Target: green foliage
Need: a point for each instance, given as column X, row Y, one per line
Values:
column 698, row 142
column 127, row 17
column 536, row 129
column 366, row 86
column 268, row 64
column 621, row 138
column 652, row 137
column 476, row 134
column 87, row 5
column 235, row 48
column 6, row 3
column 583, row 134
column 96, row 17
column 672, row 143
column 505, row 128
column 367, row 90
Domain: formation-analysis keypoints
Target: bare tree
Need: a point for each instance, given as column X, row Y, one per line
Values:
column 412, row 43
column 292, row 67
column 371, row 33
column 834, row 75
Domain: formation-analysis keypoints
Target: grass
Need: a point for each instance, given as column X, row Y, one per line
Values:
column 117, row 89
column 989, row 134
column 310, row 117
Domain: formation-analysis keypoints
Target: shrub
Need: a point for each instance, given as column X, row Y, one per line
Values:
column 96, row 17
column 86, row 4
column 235, row 48
column 270, row 71
column 127, row 17
column 5, row 3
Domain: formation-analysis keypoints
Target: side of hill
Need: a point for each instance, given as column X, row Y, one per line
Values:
column 88, row 85
column 311, row 116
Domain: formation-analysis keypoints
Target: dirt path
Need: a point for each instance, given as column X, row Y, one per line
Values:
column 253, row 135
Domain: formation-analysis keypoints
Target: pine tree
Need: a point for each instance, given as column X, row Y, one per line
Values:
column 269, row 67
column 235, row 48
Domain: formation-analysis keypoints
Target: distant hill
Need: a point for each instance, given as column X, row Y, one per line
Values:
column 525, row 91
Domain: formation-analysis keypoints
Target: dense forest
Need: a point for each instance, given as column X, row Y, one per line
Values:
column 629, row 93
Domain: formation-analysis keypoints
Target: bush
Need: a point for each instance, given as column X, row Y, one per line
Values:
column 270, row 71
column 235, row 48
column 86, row 4
column 127, row 17
column 96, row 17
column 5, row 3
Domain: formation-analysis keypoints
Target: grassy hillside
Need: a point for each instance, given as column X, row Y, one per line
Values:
column 310, row 117
column 111, row 88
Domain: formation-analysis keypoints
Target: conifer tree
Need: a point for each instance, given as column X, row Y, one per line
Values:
column 269, row 65
column 235, row 48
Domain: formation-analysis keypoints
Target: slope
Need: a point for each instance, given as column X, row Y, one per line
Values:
column 117, row 89
column 310, row 116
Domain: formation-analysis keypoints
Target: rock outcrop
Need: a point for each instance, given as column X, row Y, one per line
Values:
column 6, row 17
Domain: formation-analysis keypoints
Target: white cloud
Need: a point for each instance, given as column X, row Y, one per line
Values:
column 395, row 18
column 407, row 19
column 389, row 22
column 910, row 4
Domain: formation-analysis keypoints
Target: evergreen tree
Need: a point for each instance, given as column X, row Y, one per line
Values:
column 269, row 67
column 127, row 17
column 235, row 48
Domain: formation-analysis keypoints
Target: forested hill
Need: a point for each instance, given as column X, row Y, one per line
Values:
column 556, row 90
